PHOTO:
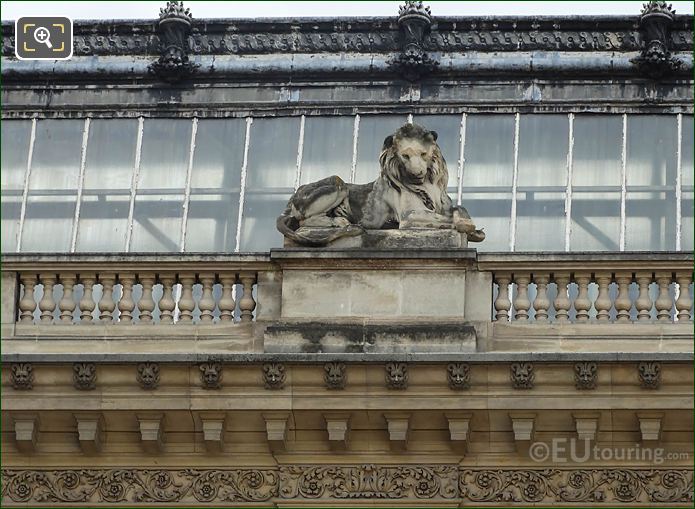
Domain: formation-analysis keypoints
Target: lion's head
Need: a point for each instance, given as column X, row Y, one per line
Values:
column 410, row 157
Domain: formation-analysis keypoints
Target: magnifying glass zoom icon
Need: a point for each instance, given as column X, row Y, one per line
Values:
column 43, row 36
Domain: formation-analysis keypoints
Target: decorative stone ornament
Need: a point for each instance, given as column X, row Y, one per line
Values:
column 335, row 375
column 522, row 375
column 211, row 375
column 458, row 375
column 649, row 374
column 84, row 375
column 22, row 376
column 655, row 23
column 585, row 375
column 274, row 375
column 397, row 375
column 414, row 22
column 173, row 29
column 148, row 375
column 409, row 194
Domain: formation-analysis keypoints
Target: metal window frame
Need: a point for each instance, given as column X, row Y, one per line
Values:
column 355, row 141
column 679, row 182
column 187, row 187
column 515, row 179
column 623, row 185
column 25, row 191
column 80, row 183
column 242, row 185
column 462, row 158
column 568, row 191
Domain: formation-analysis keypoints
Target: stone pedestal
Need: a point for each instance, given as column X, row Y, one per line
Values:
column 416, row 238
column 406, row 293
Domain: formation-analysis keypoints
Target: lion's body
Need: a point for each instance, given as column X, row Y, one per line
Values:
column 410, row 192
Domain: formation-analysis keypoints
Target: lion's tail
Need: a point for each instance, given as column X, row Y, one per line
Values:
column 314, row 237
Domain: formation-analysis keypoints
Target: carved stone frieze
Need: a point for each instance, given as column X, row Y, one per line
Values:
column 522, row 375
column 139, row 486
column 245, row 38
column 335, row 375
column 397, row 375
column 148, row 375
column 649, row 374
column 585, row 375
column 274, row 375
column 588, row 486
column 458, row 375
column 22, row 376
column 349, row 482
column 368, row 482
column 84, row 375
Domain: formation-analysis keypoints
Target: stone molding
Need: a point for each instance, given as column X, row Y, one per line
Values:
column 220, row 37
column 364, row 482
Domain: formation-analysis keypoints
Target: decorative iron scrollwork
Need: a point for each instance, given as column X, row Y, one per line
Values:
column 414, row 22
column 655, row 23
column 174, row 28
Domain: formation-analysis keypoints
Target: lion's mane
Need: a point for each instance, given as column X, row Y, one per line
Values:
column 393, row 171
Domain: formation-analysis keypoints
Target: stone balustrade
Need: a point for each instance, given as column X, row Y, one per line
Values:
column 591, row 287
column 218, row 290
column 129, row 289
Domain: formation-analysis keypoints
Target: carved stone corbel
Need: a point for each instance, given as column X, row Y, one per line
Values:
column 276, row 424
column 26, row 430
column 338, row 428
column 655, row 23
column 90, row 431
column 173, row 29
column 398, row 424
column 151, row 432
column 414, row 22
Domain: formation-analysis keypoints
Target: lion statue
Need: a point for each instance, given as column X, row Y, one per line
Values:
column 410, row 192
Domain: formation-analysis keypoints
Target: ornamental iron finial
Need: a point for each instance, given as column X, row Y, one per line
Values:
column 173, row 29
column 414, row 22
column 655, row 23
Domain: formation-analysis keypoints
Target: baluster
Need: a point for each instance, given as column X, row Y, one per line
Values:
column 521, row 303
column 541, row 302
column 167, row 304
column 47, row 305
column 67, row 304
column 603, row 299
column 206, row 303
column 87, row 304
column 227, row 304
column 126, row 305
column 684, row 301
column 186, row 302
column 106, row 303
column 622, row 301
column 247, row 304
column 562, row 301
column 643, row 302
column 503, row 304
column 27, row 305
column 146, row 302
column 582, row 303
column 663, row 303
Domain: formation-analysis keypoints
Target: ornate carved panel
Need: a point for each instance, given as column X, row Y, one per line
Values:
column 349, row 482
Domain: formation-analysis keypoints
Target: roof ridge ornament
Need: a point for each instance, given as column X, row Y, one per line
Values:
column 655, row 23
column 414, row 22
column 173, row 29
